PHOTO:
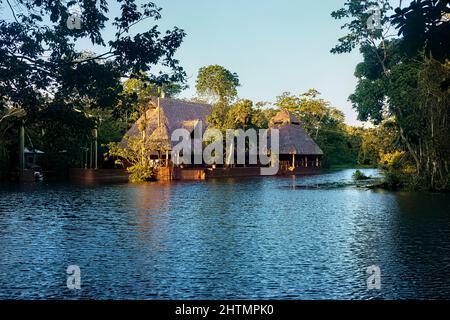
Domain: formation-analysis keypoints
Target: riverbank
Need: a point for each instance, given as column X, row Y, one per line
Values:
column 397, row 180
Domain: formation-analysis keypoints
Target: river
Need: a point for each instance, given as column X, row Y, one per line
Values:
column 261, row 238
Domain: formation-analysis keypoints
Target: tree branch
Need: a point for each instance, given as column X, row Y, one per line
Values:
column 12, row 10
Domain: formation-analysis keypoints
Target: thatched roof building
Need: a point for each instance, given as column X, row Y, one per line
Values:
column 296, row 146
column 293, row 138
column 172, row 114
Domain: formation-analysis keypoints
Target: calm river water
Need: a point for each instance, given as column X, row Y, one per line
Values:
column 262, row 238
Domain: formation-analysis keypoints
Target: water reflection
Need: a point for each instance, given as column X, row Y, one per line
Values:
column 418, row 243
column 254, row 238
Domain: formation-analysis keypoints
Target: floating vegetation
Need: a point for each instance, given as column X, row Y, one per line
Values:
column 358, row 175
column 366, row 183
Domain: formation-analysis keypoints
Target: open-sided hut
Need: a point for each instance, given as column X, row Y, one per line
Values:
column 297, row 148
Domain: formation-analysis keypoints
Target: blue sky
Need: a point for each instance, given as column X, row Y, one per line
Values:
column 273, row 45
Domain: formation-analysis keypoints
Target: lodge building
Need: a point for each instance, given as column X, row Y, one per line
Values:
column 298, row 153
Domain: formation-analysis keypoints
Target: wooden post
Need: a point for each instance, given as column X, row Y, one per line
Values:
column 95, row 149
column 22, row 147
column 317, row 161
column 159, row 105
column 90, row 156
column 293, row 160
column 167, row 158
column 306, row 161
column 273, row 160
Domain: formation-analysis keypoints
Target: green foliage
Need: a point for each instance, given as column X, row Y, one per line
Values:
column 368, row 99
column 61, row 133
column 26, row 40
column 244, row 115
column 135, row 98
column 241, row 115
column 356, row 14
column 358, row 175
column 325, row 124
column 172, row 89
column 424, row 25
column 138, row 93
column 393, row 180
column 43, row 73
column 414, row 94
column 217, row 84
column 314, row 113
column 218, row 116
column 262, row 115
column 111, row 129
column 9, row 117
column 393, row 161
column 135, row 156
column 406, row 79
column 377, row 141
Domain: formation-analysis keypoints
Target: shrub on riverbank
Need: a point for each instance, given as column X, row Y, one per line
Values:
column 407, row 181
column 135, row 156
column 358, row 175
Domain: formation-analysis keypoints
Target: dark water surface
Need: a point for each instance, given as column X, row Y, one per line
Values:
column 263, row 238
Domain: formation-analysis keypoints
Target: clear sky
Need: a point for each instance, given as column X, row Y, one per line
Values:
column 273, row 45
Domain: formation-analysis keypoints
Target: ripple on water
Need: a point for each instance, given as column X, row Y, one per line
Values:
column 271, row 238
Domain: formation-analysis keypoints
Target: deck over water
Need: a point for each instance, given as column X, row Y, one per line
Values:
column 92, row 176
column 218, row 173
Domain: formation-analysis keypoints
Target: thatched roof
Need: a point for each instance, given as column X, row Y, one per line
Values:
column 283, row 117
column 173, row 114
column 293, row 138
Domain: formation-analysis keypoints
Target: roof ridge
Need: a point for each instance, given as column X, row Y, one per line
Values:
column 182, row 101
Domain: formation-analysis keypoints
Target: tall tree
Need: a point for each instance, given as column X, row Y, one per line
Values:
column 38, row 56
column 41, row 68
column 313, row 112
column 325, row 124
column 407, row 78
column 137, row 93
column 217, row 84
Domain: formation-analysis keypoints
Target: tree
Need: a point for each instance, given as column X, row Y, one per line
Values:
column 135, row 157
column 62, row 133
column 40, row 67
column 217, row 84
column 243, row 114
column 38, row 53
column 363, row 31
column 135, row 98
column 138, row 93
column 406, row 78
column 8, row 118
column 312, row 111
column 425, row 26
column 325, row 124
column 378, row 141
